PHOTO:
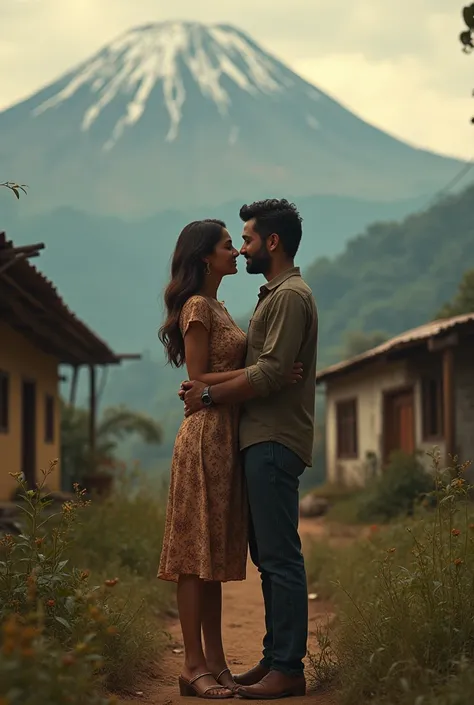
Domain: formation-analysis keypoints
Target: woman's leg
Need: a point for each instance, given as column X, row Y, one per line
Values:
column 212, row 631
column 190, row 606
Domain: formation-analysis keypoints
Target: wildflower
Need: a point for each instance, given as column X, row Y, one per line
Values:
column 31, row 582
column 455, row 532
column 391, row 550
column 68, row 660
column 111, row 630
column 51, row 603
column 96, row 614
column 111, row 583
column 39, row 541
column 458, row 561
column 84, row 574
column 27, row 652
column 471, row 526
column 10, row 626
column 81, row 647
column 374, row 528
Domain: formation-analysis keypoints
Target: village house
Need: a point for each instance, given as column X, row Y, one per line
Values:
column 413, row 392
column 38, row 333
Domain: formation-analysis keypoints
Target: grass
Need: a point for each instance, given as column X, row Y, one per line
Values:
column 405, row 598
column 80, row 606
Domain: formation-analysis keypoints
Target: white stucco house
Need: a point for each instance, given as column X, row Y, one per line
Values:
column 413, row 392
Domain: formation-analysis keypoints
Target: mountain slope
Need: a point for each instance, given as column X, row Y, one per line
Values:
column 112, row 271
column 397, row 275
column 180, row 114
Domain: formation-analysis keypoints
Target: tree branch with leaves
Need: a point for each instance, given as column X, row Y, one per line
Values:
column 15, row 188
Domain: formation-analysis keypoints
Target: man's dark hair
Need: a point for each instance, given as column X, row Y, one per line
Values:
column 276, row 216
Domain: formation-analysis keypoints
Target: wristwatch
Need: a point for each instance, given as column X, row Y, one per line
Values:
column 206, row 397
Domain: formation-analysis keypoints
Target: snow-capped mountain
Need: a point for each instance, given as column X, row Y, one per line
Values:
column 179, row 114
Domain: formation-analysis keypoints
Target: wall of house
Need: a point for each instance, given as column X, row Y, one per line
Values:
column 367, row 386
column 464, row 402
column 21, row 359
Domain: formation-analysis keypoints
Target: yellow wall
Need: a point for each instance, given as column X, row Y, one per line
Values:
column 21, row 359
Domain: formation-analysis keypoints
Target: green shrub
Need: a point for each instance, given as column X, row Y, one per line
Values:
column 71, row 597
column 396, row 491
column 405, row 634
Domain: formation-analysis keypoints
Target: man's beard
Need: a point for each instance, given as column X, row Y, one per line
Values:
column 260, row 262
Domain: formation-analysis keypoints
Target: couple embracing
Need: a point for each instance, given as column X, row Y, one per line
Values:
column 246, row 439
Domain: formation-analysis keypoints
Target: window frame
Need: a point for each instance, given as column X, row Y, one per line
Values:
column 5, row 402
column 426, row 435
column 49, row 430
column 341, row 427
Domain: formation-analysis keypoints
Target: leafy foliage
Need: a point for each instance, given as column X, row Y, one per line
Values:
column 396, row 275
column 406, row 629
column 66, row 631
column 14, row 187
column 358, row 342
column 396, row 491
column 115, row 424
column 463, row 301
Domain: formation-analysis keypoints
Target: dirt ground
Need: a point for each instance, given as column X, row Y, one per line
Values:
column 243, row 632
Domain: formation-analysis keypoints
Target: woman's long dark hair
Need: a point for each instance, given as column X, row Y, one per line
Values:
column 188, row 269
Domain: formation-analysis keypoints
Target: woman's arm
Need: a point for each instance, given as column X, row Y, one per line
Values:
column 218, row 377
column 196, row 350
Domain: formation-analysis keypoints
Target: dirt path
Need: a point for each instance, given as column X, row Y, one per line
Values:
column 243, row 631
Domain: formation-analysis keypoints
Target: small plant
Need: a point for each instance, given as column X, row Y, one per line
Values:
column 406, row 622
column 64, row 639
column 397, row 491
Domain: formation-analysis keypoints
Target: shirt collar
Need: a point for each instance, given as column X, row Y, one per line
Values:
column 277, row 281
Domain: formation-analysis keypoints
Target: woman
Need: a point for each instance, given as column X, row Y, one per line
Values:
column 205, row 540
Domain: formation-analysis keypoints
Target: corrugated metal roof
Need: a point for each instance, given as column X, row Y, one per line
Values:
column 410, row 337
column 36, row 284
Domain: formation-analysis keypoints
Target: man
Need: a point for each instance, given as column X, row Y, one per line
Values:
column 276, row 437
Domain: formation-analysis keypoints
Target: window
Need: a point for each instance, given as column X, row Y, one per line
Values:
column 346, row 420
column 432, row 407
column 4, row 401
column 49, row 419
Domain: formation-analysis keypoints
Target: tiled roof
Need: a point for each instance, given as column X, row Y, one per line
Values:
column 69, row 338
column 409, row 338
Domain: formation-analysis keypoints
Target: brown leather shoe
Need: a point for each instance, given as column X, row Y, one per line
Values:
column 253, row 676
column 273, row 686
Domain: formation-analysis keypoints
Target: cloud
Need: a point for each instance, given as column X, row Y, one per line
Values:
column 398, row 64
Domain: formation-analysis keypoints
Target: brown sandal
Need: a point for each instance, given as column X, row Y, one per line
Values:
column 190, row 690
column 233, row 687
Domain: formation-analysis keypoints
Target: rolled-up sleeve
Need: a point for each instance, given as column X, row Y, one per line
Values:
column 285, row 330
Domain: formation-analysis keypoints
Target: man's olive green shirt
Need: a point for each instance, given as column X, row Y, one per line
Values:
column 282, row 331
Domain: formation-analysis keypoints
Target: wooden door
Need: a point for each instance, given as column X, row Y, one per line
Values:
column 399, row 422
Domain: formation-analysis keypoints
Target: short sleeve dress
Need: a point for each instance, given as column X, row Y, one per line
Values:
column 206, row 529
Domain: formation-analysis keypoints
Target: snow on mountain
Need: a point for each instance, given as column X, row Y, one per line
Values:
column 139, row 60
column 180, row 114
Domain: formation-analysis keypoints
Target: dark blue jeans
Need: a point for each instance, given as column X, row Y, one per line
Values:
column 272, row 472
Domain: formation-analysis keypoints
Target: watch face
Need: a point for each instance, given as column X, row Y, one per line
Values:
column 206, row 398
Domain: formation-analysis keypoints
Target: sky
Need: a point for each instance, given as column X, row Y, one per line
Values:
column 400, row 68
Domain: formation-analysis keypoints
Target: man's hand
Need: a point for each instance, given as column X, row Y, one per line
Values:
column 296, row 374
column 192, row 392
